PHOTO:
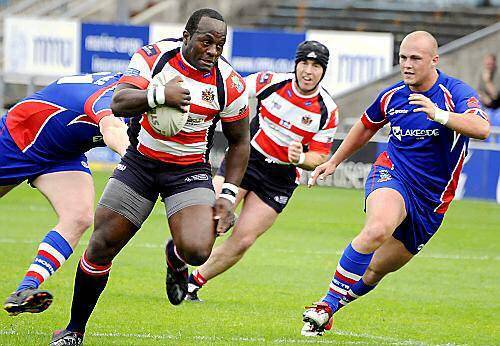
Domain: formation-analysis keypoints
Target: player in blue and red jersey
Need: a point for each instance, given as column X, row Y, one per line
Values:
column 43, row 139
column 432, row 116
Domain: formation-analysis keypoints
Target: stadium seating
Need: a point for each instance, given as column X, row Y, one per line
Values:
column 399, row 18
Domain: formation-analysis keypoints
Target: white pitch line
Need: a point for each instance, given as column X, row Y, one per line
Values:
column 316, row 252
column 286, row 341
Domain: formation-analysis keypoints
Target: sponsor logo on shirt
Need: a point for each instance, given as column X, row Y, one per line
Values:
column 281, row 199
column 237, row 83
column 132, row 72
column 393, row 111
column 419, row 133
column 265, row 78
column 150, row 50
column 121, row 167
column 286, row 124
column 84, row 164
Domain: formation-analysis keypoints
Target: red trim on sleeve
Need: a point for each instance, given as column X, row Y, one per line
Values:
column 138, row 81
column 239, row 116
column 371, row 125
column 88, row 108
column 320, row 147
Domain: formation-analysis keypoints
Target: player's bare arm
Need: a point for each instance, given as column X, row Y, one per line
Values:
column 467, row 124
column 357, row 137
column 114, row 134
column 129, row 101
column 238, row 137
column 307, row 161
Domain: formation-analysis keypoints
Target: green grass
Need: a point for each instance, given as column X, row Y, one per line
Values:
column 449, row 294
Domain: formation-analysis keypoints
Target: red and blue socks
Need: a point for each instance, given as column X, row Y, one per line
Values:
column 347, row 284
column 53, row 251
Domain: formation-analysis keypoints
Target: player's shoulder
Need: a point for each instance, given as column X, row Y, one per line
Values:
column 266, row 79
column 455, row 86
column 327, row 99
column 225, row 68
column 391, row 89
column 152, row 52
column 168, row 44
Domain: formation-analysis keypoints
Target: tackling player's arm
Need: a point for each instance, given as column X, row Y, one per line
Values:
column 129, row 100
column 465, row 123
column 114, row 134
column 357, row 137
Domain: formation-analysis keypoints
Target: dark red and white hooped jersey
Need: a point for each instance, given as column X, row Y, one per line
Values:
column 284, row 115
column 217, row 94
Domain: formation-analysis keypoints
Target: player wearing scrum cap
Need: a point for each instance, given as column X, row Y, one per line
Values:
column 294, row 128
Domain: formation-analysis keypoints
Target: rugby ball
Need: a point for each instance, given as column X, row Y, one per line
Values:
column 165, row 120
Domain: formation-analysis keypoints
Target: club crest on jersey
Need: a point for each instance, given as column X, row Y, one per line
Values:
column 473, row 102
column 237, row 83
column 384, row 176
column 306, row 119
column 208, row 95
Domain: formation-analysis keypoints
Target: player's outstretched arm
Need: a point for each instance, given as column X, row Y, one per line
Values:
column 467, row 124
column 114, row 134
column 357, row 137
column 238, row 136
column 129, row 101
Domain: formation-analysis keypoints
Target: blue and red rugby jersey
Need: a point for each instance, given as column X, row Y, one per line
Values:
column 425, row 155
column 61, row 120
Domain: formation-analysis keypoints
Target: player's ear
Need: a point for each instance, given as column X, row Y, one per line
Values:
column 185, row 37
column 435, row 60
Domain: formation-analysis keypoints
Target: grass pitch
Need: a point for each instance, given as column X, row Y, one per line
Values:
column 449, row 294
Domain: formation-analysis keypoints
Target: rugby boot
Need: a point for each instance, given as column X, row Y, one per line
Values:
column 192, row 294
column 28, row 300
column 176, row 281
column 66, row 338
column 317, row 319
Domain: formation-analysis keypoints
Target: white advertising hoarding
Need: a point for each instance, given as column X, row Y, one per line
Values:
column 41, row 47
column 355, row 57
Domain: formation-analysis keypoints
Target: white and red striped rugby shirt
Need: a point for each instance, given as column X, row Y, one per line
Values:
column 285, row 115
column 217, row 94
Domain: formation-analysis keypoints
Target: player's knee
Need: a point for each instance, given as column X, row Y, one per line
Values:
column 77, row 221
column 195, row 257
column 102, row 249
column 375, row 233
column 85, row 220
